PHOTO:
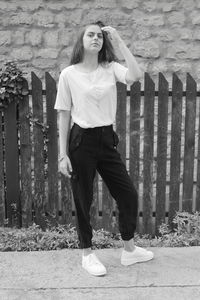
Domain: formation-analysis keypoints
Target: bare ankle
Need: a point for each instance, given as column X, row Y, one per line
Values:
column 129, row 245
column 87, row 251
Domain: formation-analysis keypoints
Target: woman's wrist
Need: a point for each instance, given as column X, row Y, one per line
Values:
column 62, row 156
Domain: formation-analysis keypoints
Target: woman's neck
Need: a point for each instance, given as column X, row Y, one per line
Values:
column 90, row 62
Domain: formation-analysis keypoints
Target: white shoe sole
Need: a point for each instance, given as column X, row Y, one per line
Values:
column 96, row 274
column 128, row 262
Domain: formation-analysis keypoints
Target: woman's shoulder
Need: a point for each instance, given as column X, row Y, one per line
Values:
column 110, row 65
column 67, row 70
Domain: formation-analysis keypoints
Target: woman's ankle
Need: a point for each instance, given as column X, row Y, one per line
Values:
column 87, row 251
column 129, row 245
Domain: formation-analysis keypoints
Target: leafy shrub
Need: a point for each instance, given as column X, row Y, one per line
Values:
column 11, row 84
column 186, row 232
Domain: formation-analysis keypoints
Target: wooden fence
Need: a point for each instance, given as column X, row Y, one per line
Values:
column 159, row 142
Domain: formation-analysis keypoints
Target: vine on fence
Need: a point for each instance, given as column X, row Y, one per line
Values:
column 11, row 84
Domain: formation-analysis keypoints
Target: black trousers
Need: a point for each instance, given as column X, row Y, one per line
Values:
column 91, row 150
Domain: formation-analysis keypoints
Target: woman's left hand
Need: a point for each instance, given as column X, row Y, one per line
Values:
column 112, row 33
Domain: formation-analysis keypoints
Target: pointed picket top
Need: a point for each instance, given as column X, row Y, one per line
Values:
column 149, row 84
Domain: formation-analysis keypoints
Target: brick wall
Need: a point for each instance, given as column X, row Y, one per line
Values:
column 39, row 34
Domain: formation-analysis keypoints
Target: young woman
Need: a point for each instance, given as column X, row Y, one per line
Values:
column 87, row 95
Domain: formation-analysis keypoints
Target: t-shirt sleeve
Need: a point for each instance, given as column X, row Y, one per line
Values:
column 63, row 97
column 120, row 72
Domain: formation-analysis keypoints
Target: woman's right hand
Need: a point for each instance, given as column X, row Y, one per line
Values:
column 65, row 166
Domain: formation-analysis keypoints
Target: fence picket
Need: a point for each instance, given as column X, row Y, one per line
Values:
column 189, row 144
column 66, row 200
column 12, row 166
column 134, row 156
column 177, row 91
column 135, row 133
column 161, row 150
column 52, row 175
column 94, row 212
column 148, row 153
column 38, row 140
column 197, row 206
column 121, row 119
column 2, row 195
column 25, row 159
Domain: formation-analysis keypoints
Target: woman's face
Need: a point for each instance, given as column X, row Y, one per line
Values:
column 93, row 39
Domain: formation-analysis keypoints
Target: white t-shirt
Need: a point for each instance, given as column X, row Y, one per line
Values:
column 91, row 97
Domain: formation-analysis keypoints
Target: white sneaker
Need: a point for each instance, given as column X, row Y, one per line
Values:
column 136, row 256
column 92, row 264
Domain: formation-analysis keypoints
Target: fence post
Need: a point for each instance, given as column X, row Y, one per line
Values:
column 25, row 159
column 190, row 118
column 161, row 151
column 149, row 93
column 177, row 91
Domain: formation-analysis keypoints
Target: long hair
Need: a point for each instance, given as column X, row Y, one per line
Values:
column 106, row 54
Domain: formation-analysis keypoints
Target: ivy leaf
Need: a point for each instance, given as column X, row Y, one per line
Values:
column 24, row 92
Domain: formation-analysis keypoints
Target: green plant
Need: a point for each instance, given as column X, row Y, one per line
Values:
column 11, row 84
column 185, row 233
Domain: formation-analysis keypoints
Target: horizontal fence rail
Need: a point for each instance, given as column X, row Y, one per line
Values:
column 159, row 133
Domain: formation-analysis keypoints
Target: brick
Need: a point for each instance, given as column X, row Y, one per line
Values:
column 179, row 51
column 129, row 4
column 51, row 38
column 166, row 35
column 44, row 63
column 147, row 49
column 65, row 37
column 158, row 66
column 167, row 7
column 47, row 53
column 103, row 4
column 31, row 5
column 21, row 18
column 5, row 37
column 150, row 6
column 141, row 33
column 34, row 37
column 150, row 20
column 69, row 19
column 44, row 19
column 69, row 5
column 24, row 53
column 196, row 20
column 176, row 18
column 185, row 34
column 196, row 35
column 18, row 37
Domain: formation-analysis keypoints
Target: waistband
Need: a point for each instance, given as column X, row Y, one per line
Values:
column 106, row 128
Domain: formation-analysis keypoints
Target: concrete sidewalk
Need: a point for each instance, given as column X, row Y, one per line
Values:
column 173, row 274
